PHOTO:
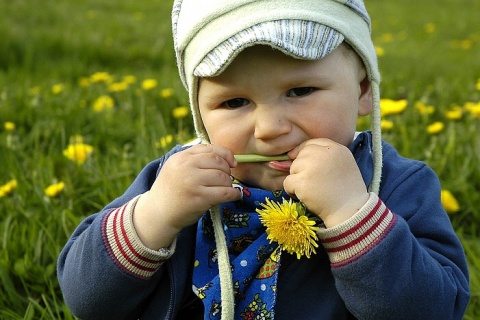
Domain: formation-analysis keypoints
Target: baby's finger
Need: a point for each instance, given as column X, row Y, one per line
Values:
column 223, row 194
column 219, row 151
column 325, row 142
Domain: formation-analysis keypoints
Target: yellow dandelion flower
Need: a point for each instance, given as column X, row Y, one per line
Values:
column 84, row 82
column 430, row 27
column 386, row 37
column 386, row 125
column 149, row 84
column 117, row 86
column 435, row 127
column 166, row 93
column 8, row 188
column 473, row 108
column 450, row 204
column 455, row 113
column 288, row 224
column 180, row 112
column 101, row 77
column 164, row 141
column 389, row 106
column 78, row 152
column 129, row 79
column 102, row 103
column 380, row 51
column 424, row 108
column 466, row 44
column 9, row 126
column 35, row 91
column 58, row 88
column 361, row 121
column 54, row 189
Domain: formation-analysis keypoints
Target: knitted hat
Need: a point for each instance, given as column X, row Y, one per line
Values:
column 209, row 34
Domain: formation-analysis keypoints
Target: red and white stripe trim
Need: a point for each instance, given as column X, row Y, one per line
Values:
column 125, row 248
column 359, row 234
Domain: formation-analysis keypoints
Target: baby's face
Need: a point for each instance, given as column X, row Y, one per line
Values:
column 268, row 103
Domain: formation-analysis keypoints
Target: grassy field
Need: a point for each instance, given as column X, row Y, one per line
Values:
column 89, row 94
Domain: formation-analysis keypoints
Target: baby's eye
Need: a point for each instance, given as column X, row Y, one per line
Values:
column 235, row 103
column 298, row 92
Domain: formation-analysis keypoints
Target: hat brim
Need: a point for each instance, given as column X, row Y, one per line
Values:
column 300, row 39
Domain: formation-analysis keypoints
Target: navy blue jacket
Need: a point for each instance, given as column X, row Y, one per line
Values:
column 415, row 269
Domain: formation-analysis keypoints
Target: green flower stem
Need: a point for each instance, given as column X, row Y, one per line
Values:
column 241, row 158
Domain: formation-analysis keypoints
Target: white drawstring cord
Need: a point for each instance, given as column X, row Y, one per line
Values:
column 225, row 273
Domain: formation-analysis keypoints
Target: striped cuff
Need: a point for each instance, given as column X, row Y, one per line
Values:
column 358, row 235
column 124, row 246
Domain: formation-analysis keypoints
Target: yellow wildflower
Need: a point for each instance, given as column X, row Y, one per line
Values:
column 103, row 102
column 129, row 79
column 386, row 37
column 288, row 224
column 54, row 189
column 435, row 127
column 78, row 152
column 389, row 106
column 473, row 108
column 35, row 91
column 424, row 108
column 101, row 77
column 8, row 188
column 386, row 125
column 466, row 44
column 430, row 27
column 149, row 84
column 84, row 82
column 118, row 86
column 455, row 113
column 450, row 204
column 57, row 88
column 361, row 121
column 180, row 112
column 380, row 51
column 166, row 93
column 164, row 141
column 9, row 126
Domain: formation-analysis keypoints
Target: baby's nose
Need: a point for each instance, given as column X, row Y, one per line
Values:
column 270, row 122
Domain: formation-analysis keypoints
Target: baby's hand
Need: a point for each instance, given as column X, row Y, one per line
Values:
column 326, row 178
column 189, row 183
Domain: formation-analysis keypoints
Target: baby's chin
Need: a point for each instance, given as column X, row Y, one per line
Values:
column 266, row 182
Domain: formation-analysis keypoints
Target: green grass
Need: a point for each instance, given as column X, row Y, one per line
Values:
column 60, row 42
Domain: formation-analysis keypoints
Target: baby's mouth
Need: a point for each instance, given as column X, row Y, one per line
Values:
column 243, row 158
column 281, row 165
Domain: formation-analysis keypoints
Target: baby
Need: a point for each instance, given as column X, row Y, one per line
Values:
column 283, row 79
